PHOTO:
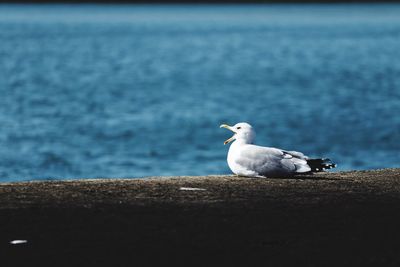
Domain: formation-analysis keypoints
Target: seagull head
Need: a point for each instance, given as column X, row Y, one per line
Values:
column 242, row 132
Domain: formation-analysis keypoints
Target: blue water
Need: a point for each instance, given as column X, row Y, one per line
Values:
column 132, row 91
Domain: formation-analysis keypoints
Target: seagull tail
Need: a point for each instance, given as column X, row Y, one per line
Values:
column 320, row 165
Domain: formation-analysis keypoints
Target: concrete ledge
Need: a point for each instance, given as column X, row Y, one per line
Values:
column 329, row 219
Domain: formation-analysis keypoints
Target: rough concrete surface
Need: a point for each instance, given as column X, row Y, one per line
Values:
column 328, row 219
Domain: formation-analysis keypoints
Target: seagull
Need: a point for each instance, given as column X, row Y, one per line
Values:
column 247, row 159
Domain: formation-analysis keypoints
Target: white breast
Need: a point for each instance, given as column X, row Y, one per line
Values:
column 233, row 154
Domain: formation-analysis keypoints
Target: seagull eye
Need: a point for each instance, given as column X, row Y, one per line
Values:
column 238, row 128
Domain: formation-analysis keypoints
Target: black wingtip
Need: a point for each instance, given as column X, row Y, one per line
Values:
column 320, row 165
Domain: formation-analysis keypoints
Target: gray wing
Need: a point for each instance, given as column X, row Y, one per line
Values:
column 296, row 154
column 272, row 161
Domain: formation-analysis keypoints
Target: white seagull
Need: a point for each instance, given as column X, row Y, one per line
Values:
column 246, row 159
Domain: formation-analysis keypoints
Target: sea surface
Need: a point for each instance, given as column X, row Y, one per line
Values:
column 92, row 91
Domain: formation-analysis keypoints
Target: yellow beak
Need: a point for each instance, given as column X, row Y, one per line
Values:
column 230, row 129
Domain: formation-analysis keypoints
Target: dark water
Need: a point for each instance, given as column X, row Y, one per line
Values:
column 130, row 91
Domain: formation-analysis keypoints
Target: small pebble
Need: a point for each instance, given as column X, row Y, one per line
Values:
column 18, row 242
column 191, row 189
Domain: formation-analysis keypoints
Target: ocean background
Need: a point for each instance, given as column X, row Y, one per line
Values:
column 97, row 91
